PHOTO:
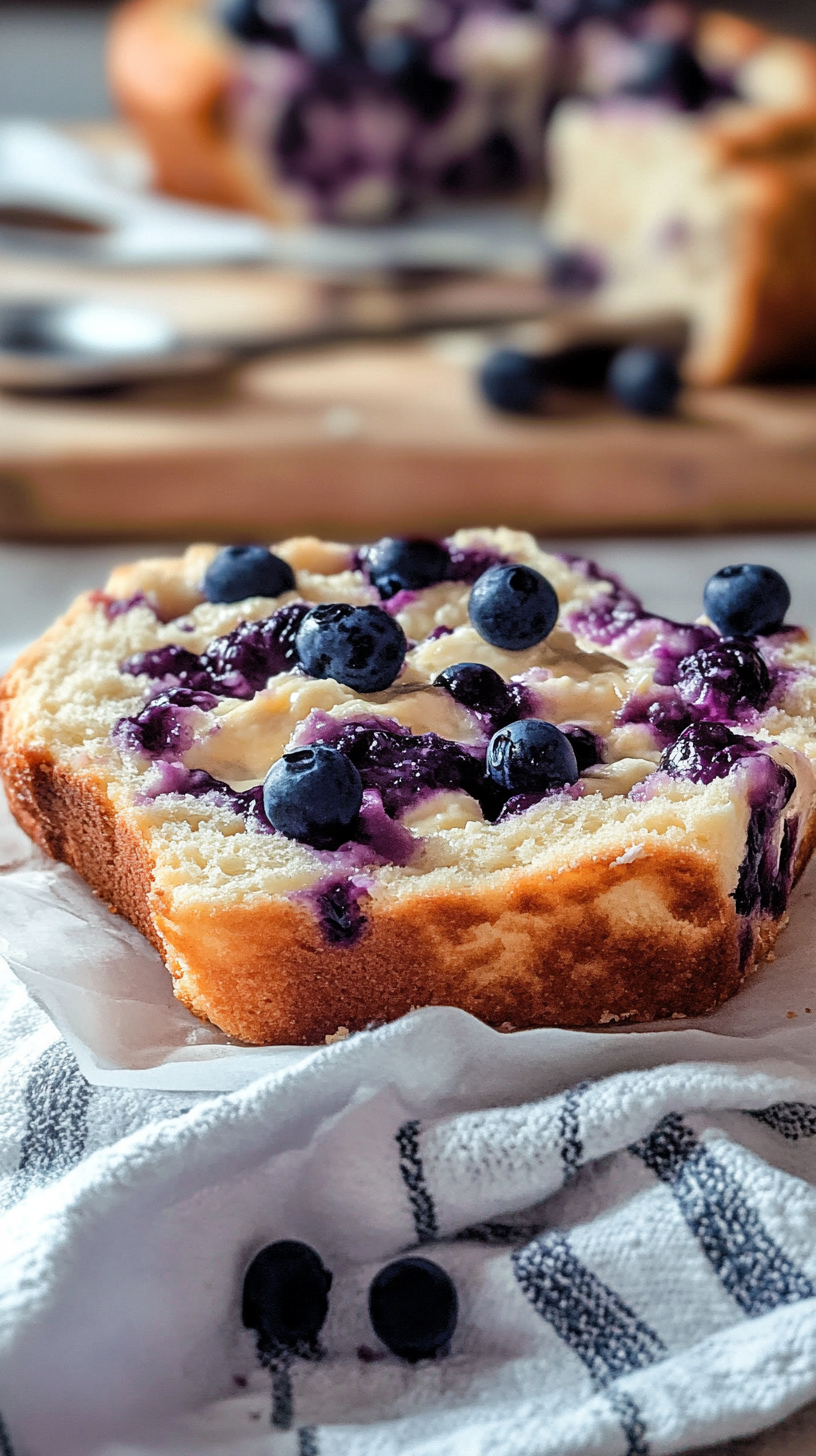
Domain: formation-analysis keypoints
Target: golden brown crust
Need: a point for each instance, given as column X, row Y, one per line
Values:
column 597, row 945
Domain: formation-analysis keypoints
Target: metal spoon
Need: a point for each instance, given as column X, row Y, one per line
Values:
column 63, row 345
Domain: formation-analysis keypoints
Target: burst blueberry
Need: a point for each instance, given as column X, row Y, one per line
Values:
column 513, row 607
column 361, row 647
column 414, row 1308
column 286, row 1294
column 530, row 757
column 239, row 572
column 706, row 751
column 746, row 600
column 670, row 70
column 513, row 382
column 724, row 679
column 482, row 690
column 314, row 795
column 644, row 380
column 398, row 564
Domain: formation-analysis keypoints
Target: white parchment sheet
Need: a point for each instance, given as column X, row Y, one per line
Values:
column 110, row 995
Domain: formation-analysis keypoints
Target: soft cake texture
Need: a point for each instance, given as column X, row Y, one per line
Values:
column 633, row 895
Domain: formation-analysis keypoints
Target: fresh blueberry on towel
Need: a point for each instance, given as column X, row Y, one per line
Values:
column 286, row 1294
column 314, row 795
column 414, row 1308
column 362, row 647
column 239, row 572
column 513, row 607
column 396, row 564
column 530, row 757
column 644, row 380
column 746, row 600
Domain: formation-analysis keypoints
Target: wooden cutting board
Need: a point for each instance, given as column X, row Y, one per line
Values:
column 359, row 439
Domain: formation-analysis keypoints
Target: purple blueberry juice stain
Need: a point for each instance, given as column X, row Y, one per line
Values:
column 766, row 872
column 166, row 726
column 173, row 778
column 235, row 666
column 336, row 904
column 391, row 842
column 117, row 607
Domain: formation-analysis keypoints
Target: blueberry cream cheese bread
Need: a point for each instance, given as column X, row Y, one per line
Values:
column 332, row 784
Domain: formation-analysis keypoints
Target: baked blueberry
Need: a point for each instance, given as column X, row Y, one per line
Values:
column 513, row 607
column 239, row 572
column 644, row 380
column 724, row 678
column 530, row 757
column 313, row 794
column 706, row 751
column 286, row 1294
column 361, row 647
column 399, row 564
column 480, row 689
column 513, row 382
column 413, row 1307
column 746, row 600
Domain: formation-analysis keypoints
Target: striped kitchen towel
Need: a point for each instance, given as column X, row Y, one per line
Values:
column 634, row 1257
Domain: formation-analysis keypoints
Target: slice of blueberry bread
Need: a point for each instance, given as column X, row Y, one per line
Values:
column 332, row 784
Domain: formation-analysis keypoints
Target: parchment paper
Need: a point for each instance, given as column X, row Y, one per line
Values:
column 110, row 995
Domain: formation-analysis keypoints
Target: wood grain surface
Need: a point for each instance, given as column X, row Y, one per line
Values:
column 358, row 439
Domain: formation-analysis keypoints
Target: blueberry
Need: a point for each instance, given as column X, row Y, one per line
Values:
column 584, row 745
column 413, row 1308
column 239, row 572
column 286, row 1294
column 706, row 751
column 361, row 647
column 313, row 794
column 513, row 382
column 395, row 564
column 530, row 757
column 644, row 380
column 572, row 271
column 746, row 601
column 480, row 689
column 513, row 607
column 670, row 69
column 724, row 677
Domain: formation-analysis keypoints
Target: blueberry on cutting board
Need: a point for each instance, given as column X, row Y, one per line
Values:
column 644, row 380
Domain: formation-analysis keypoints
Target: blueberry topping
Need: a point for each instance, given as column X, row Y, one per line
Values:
column 244, row 660
column 530, row 757
column 286, row 1294
column 413, row 1308
column 644, row 380
column 313, row 794
column 395, row 564
column 669, row 69
column 724, row 679
column 513, row 607
column 513, row 382
column 362, row 647
column 404, row 767
column 706, row 751
column 746, row 600
column 239, row 572
column 482, row 690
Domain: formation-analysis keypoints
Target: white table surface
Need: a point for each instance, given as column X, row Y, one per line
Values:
column 37, row 582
